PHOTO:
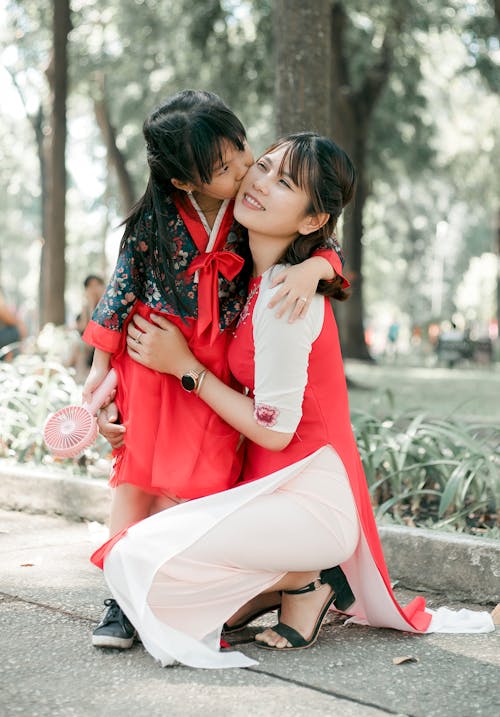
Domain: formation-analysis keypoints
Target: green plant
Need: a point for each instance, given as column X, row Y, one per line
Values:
column 429, row 471
column 32, row 386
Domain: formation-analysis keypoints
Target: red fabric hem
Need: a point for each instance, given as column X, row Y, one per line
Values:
column 104, row 339
column 100, row 554
column 334, row 260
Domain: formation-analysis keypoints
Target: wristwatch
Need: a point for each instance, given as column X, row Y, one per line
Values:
column 191, row 380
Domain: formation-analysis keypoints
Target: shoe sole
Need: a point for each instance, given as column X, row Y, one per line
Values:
column 120, row 643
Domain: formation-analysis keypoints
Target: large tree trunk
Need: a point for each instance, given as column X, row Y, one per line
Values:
column 116, row 160
column 351, row 113
column 302, row 42
column 53, row 273
column 37, row 121
column 42, row 151
column 497, row 249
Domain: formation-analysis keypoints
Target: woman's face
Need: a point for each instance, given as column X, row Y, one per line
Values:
column 269, row 202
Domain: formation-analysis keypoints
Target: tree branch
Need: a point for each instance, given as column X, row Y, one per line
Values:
column 115, row 156
column 376, row 78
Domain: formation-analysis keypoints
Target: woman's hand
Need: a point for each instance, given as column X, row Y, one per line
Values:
column 160, row 347
column 299, row 284
column 112, row 431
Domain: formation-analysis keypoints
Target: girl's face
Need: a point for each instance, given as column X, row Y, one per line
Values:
column 226, row 177
column 269, row 202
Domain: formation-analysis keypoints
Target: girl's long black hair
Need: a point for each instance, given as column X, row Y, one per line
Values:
column 184, row 141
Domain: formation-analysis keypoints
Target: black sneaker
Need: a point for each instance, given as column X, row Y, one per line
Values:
column 115, row 629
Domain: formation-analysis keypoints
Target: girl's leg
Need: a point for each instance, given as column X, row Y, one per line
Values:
column 129, row 505
column 162, row 502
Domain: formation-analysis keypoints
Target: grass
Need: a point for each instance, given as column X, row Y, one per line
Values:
column 460, row 393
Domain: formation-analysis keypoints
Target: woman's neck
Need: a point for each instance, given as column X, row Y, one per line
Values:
column 266, row 251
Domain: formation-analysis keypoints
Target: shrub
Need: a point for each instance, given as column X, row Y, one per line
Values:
column 32, row 386
column 430, row 472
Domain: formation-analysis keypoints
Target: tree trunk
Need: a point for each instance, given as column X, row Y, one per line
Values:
column 303, row 65
column 37, row 122
column 53, row 273
column 351, row 326
column 497, row 248
column 116, row 160
column 351, row 113
column 41, row 145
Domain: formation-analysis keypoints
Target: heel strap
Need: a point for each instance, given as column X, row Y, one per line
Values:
column 309, row 588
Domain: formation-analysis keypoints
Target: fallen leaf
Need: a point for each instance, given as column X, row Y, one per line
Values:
column 495, row 614
column 27, row 565
column 406, row 658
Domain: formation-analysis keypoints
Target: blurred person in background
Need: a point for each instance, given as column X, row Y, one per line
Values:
column 94, row 288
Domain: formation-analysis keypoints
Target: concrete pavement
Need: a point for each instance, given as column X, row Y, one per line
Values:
column 50, row 598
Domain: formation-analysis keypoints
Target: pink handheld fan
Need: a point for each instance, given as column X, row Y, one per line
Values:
column 70, row 430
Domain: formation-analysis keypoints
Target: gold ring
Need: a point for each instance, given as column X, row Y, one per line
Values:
column 303, row 298
column 138, row 339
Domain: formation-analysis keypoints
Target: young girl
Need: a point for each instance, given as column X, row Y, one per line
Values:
column 304, row 505
column 181, row 256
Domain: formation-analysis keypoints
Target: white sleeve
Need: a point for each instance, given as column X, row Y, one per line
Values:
column 281, row 360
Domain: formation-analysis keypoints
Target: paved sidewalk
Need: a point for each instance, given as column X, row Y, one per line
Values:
column 51, row 596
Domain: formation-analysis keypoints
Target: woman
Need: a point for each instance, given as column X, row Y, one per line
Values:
column 179, row 256
column 303, row 506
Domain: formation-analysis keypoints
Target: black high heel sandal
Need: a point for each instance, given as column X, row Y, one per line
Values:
column 336, row 579
column 230, row 629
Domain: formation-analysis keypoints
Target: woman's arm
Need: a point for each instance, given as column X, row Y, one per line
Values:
column 164, row 348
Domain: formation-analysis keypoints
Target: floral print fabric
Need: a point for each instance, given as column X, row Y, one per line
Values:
column 133, row 277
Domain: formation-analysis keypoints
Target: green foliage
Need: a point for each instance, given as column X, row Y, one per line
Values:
column 421, row 471
column 427, row 151
column 430, row 472
column 33, row 386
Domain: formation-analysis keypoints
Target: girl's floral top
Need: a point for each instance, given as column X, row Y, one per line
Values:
column 133, row 278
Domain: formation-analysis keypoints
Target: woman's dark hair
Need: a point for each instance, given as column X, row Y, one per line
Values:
column 324, row 171
column 185, row 139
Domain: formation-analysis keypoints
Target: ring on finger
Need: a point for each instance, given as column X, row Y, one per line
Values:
column 303, row 298
column 138, row 339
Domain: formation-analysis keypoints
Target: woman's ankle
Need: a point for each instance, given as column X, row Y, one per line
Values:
column 295, row 581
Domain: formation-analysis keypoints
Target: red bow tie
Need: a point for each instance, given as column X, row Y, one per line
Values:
column 209, row 265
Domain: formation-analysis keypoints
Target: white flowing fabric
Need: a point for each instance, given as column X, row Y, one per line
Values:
column 173, row 544
column 180, row 574
column 171, row 558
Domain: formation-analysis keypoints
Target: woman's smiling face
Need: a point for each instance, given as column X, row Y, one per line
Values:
column 269, row 202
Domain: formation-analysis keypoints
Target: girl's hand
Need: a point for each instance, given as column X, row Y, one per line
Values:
column 161, row 348
column 97, row 374
column 299, row 284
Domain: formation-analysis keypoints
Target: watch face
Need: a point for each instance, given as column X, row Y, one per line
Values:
column 188, row 382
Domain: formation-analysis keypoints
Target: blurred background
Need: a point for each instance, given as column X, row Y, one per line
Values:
column 410, row 88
